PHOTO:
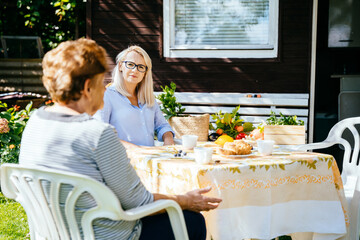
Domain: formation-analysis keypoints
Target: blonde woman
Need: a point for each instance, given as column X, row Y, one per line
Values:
column 129, row 102
column 65, row 136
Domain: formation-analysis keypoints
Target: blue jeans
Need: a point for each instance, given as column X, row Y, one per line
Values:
column 158, row 226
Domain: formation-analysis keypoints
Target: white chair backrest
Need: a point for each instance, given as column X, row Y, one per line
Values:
column 336, row 136
column 25, row 185
column 46, row 220
column 350, row 161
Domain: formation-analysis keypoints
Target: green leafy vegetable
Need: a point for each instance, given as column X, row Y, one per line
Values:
column 169, row 106
column 283, row 120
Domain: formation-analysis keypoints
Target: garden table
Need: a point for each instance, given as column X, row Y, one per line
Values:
column 288, row 193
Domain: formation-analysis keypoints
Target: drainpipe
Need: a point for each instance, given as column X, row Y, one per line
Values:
column 313, row 71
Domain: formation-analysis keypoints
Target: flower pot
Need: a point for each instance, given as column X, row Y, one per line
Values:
column 285, row 134
column 194, row 125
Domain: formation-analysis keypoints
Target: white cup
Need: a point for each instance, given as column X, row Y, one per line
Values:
column 189, row 141
column 203, row 155
column 265, row 147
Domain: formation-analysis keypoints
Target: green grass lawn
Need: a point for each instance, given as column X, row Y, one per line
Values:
column 13, row 220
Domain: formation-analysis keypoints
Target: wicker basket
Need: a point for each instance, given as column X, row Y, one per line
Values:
column 195, row 125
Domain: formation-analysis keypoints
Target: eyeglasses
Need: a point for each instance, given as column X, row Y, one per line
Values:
column 131, row 65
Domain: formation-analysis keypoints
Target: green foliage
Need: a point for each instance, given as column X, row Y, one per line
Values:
column 13, row 220
column 54, row 21
column 63, row 6
column 228, row 122
column 283, row 120
column 169, row 106
column 12, row 124
column 248, row 127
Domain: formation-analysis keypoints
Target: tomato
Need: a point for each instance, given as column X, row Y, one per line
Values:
column 240, row 136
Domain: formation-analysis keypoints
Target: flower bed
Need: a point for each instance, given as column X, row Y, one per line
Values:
column 12, row 124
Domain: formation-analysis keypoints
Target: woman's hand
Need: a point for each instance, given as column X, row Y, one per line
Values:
column 193, row 200
column 196, row 201
column 168, row 138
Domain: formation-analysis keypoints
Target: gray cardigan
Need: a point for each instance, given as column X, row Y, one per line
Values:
column 82, row 144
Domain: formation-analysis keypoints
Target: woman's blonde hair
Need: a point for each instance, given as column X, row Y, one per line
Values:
column 145, row 89
column 68, row 66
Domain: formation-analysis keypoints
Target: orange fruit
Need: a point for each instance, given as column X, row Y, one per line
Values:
column 239, row 128
column 219, row 131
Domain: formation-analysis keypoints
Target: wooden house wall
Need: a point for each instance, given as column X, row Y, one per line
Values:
column 116, row 24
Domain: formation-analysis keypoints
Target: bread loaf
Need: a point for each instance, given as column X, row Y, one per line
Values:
column 237, row 147
column 224, row 151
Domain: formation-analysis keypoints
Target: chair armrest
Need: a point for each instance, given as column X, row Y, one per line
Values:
column 311, row 146
column 148, row 209
column 174, row 211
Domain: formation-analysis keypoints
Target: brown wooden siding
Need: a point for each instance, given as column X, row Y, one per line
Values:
column 116, row 24
column 21, row 75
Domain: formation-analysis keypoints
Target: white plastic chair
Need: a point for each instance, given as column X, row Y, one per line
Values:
column 23, row 184
column 350, row 169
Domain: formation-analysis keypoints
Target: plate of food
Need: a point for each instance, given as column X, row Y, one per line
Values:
column 251, row 142
column 239, row 156
column 235, row 149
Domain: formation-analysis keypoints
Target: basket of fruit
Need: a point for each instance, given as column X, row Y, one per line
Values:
column 229, row 126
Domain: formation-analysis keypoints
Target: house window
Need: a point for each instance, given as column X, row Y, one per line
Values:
column 221, row 28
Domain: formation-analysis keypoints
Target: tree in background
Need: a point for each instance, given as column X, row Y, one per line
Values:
column 54, row 21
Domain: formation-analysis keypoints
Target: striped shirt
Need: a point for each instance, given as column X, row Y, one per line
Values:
column 82, row 144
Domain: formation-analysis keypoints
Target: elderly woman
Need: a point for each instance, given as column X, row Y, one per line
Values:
column 65, row 136
column 129, row 102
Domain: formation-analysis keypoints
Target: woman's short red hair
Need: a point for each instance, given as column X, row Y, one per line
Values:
column 66, row 68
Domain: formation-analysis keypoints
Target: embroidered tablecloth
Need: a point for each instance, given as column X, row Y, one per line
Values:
column 297, row 193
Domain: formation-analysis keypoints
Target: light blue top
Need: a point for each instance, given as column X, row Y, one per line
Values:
column 133, row 124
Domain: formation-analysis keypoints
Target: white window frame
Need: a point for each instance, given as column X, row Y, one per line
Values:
column 270, row 51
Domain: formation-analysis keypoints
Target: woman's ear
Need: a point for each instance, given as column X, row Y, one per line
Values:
column 86, row 90
column 120, row 70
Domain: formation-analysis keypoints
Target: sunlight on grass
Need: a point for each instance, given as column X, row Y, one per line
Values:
column 13, row 220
